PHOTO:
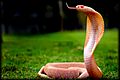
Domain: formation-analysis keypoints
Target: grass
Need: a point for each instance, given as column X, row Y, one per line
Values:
column 24, row 55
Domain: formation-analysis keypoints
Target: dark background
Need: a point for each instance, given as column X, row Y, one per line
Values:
column 43, row 16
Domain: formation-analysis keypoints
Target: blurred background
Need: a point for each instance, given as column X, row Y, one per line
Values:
column 44, row 16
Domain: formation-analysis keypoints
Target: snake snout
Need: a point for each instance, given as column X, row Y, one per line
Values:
column 79, row 6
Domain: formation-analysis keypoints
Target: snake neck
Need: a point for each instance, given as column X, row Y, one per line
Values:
column 93, row 36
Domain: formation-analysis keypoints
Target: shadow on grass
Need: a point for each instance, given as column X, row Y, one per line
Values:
column 40, row 78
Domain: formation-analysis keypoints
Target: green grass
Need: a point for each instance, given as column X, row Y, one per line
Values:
column 24, row 55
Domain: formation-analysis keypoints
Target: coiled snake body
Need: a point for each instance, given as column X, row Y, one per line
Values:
column 69, row 70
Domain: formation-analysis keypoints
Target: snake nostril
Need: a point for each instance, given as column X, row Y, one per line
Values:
column 77, row 6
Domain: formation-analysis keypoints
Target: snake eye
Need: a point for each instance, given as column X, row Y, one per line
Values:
column 82, row 6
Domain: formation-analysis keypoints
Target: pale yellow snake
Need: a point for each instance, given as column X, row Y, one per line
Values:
column 78, row 70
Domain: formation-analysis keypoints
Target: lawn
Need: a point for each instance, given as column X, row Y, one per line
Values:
column 24, row 55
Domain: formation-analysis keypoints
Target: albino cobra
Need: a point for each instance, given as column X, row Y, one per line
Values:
column 78, row 70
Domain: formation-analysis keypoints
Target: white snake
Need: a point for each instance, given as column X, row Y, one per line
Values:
column 78, row 70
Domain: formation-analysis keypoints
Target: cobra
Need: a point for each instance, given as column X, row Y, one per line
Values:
column 79, row 70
